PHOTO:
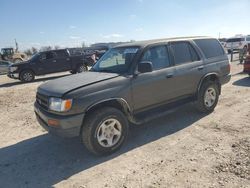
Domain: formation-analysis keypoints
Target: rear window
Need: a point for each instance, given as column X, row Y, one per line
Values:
column 210, row 47
column 235, row 40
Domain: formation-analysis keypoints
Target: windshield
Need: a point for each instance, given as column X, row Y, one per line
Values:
column 116, row 60
column 35, row 56
column 235, row 40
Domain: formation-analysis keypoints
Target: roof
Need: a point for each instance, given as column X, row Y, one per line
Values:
column 155, row 41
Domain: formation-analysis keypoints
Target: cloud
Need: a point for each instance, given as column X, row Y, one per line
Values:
column 114, row 35
column 74, row 37
column 72, row 27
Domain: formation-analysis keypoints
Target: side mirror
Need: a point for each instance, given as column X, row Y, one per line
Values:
column 145, row 66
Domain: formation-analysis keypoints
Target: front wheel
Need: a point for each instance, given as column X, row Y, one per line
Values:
column 104, row 131
column 208, row 97
column 27, row 76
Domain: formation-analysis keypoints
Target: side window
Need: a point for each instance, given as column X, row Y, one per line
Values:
column 182, row 53
column 60, row 54
column 193, row 53
column 210, row 47
column 248, row 39
column 47, row 55
column 158, row 56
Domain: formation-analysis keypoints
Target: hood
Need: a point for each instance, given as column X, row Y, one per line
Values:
column 61, row 86
column 20, row 63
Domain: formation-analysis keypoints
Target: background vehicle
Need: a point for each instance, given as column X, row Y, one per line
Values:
column 135, row 83
column 97, row 51
column 45, row 63
column 4, row 66
column 9, row 54
column 237, row 43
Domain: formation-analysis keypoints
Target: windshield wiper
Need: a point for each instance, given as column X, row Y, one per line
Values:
column 106, row 70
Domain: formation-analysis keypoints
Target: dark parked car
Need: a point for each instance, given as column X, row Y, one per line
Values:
column 135, row 83
column 45, row 63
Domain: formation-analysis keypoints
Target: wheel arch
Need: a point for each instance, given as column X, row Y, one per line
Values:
column 213, row 76
column 118, row 103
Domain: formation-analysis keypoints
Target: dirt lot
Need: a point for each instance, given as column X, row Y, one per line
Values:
column 183, row 149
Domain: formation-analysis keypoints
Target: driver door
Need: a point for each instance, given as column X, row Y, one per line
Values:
column 157, row 87
column 47, row 63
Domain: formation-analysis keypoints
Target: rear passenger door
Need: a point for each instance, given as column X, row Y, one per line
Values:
column 189, row 67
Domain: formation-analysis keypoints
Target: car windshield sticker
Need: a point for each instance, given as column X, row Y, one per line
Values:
column 130, row 50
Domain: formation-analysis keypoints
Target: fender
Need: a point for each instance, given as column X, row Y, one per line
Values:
column 205, row 76
column 124, row 104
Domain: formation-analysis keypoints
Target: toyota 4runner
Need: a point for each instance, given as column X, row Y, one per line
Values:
column 133, row 83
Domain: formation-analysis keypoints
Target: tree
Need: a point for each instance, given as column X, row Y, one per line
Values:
column 56, row 47
column 45, row 48
column 28, row 52
column 34, row 50
column 83, row 45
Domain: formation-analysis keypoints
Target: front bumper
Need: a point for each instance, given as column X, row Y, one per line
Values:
column 225, row 79
column 13, row 75
column 69, row 126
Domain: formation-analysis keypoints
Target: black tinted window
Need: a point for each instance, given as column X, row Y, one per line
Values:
column 158, row 56
column 181, row 52
column 210, row 47
column 60, row 53
column 235, row 40
column 193, row 53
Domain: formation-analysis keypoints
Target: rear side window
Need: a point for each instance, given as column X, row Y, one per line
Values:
column 183, row 53
column 210, row 47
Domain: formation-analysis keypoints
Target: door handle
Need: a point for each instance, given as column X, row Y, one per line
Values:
column 54, row 61
column 169, row 75
column 200, row 68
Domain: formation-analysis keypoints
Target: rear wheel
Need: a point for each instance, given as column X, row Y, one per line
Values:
column 27, row 76
column 104, row 131
column 208, row 97
column 81, row 68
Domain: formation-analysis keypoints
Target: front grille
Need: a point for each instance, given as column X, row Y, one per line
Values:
column 42, row 100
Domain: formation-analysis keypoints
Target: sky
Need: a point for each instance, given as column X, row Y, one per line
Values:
column 69, row 23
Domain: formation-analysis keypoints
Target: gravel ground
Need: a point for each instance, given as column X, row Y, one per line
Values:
column 183, row 149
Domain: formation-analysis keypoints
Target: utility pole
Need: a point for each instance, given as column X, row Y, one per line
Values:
column 16, row 45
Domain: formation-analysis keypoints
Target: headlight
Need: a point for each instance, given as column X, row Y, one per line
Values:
column 12, row 69
column 60, row 105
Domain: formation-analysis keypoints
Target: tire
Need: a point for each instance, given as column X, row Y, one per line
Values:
column 208, row 97
column 81, row 68
column 27, row 76
column 96, row 135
